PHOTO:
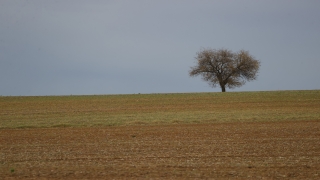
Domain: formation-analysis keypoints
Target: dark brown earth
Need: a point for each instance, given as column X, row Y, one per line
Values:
column 228, row 150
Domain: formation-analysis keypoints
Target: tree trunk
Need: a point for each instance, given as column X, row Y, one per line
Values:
column 223, row 88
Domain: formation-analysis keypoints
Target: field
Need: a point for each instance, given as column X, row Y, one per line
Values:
column 194, row 135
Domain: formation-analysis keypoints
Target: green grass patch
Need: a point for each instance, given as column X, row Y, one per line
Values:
column 145, row 109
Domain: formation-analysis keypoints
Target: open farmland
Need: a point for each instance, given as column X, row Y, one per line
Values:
column 202, row 135
column 114, row 110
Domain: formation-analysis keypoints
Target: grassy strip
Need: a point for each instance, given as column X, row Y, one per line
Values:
column 115, row 110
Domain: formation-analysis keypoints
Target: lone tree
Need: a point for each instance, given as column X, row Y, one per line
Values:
column 225, row 68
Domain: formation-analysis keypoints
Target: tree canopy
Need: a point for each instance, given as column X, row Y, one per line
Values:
column 226, row 68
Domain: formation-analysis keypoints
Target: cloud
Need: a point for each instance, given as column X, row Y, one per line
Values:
column 96, row 47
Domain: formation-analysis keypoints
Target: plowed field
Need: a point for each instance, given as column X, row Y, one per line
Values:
column 288, row 149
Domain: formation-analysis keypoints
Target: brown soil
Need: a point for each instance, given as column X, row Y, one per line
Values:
column 227, row 150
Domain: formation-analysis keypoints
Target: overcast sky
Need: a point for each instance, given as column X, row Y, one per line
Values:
column 64, row 47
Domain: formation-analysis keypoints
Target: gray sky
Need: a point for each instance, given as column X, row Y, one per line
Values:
column 63, row 47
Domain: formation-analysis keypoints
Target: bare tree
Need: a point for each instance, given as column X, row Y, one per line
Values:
column 225, row 68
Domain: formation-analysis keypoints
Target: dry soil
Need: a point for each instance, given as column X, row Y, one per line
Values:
column 266, row 150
